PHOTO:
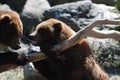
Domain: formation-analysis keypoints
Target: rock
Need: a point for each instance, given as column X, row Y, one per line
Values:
column 56, row 2
column 81, row 13
column 30, row 11
column 4, row 7
column 31, row 74
column 32, row 14
column 108, row 47
column 107, row 2
column 15, row 5
column 76, row 14
column 115, row 77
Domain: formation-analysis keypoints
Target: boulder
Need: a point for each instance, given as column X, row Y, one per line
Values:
column 107, row 2
column 78, row 14
column 15, row 5
column 31, row 11
column 56, row 2
column 4, row 7
column 32, row 14
column 31, row 74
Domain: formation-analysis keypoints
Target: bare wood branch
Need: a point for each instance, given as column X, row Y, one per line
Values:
column 83, row 33
column 87, row 31
column 7, row 67
column 36, row 57
column 105, row 34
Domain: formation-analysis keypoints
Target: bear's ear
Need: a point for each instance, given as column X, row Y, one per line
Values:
column 5, row 19
column 57, row 27
column 57, row 30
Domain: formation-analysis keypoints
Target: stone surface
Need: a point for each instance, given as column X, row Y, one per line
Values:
column 107, row 2
column 31, row 74
column 56, row 2
column 4, row 7
column 32, row 14
column 16, row 5
column 79, row 14
column 76, row 14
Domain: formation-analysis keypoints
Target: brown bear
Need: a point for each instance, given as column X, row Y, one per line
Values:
column 74, row 63
column 10, row 34
column 10, row 29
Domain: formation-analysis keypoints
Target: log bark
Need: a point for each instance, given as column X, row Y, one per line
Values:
column 87, row 31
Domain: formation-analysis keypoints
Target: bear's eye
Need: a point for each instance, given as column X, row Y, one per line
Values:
column 45, row 34
column 44, row 31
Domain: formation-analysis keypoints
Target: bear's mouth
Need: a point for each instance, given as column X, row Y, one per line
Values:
column 16, row 47
column 34, row 42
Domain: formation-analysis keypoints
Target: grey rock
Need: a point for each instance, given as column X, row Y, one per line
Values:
column 5, row 7
column 31, row 74
column 32, row 14
column 105, row 50
column 81, row 13
column 107, row 2
column 56, row 2
column 74, row 13
column 15, row 5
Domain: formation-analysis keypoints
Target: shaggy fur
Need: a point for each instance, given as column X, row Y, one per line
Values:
column 75, row 63
column 10, row 29
column 10, row 34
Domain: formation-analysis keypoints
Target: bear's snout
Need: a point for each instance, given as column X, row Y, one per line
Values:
column 30, row 37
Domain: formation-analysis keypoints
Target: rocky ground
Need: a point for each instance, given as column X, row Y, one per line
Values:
column 15, row 74
column 76, row 14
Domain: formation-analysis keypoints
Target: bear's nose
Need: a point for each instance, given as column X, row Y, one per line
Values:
column 16, row 47
column 30, row 37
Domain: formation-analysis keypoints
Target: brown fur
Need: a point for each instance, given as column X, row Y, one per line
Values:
column 10, row 35
column 75, row 63
column 10, row 29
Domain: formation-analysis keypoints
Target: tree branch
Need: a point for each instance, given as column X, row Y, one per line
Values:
column 105, row 34
column 36, row 57
column 87, row 31
column 84, row 33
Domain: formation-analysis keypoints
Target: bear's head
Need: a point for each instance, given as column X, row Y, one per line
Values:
column 10, row 29
column 51, row 31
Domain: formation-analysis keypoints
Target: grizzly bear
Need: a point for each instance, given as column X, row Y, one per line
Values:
column 10, row 29
column 74, row 63
column 10, row 34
